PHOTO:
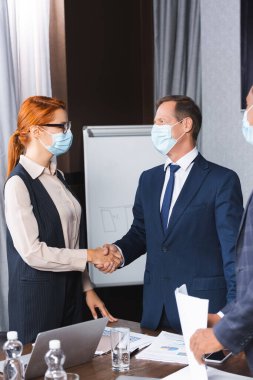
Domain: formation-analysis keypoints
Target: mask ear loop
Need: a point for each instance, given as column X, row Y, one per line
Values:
column 50, row 134
column 179, row 138
column 247, row 110
column 184, row 133
column 245, row 117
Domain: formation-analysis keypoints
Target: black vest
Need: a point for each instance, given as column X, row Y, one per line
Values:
column 42, row 300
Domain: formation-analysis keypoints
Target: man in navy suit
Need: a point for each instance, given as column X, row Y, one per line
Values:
column 235, row 330
column 186, row 217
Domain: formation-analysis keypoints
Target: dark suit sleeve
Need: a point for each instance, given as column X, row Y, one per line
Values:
column 235, row 329
column 133, row 244
column 228, row 213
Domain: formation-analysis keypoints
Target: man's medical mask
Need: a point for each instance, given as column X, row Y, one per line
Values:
column 247, row 129
column 162, row 139
column 61, row 142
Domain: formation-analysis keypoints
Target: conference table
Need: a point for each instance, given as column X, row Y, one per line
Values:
column 99, row 368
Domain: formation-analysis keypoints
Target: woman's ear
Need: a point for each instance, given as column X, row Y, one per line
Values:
column 35, row 131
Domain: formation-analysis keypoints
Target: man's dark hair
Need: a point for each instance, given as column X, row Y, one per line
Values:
column 185, row 107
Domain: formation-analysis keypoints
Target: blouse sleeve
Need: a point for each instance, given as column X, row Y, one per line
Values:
column 24, row 231
column 87, row 284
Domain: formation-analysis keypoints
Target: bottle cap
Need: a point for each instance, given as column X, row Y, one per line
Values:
column 12, row 335
column 54, row 344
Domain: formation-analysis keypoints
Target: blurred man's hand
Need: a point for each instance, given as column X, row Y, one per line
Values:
column 202, row 342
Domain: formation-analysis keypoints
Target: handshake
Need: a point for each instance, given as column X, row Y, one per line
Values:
column 107, row 258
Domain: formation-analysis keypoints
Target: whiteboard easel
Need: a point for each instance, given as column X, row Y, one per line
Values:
column 114, row 158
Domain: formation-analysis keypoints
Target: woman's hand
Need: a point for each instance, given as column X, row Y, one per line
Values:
column 94, row 301
column 103, row 258
column 118, row 259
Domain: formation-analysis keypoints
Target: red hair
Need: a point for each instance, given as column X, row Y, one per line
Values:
column 36, row 110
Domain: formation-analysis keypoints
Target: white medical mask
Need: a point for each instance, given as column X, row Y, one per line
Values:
column 61, row 142
column 162, row 139
column 247, row 129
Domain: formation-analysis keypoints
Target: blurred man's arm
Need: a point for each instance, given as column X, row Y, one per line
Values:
column 228, row 214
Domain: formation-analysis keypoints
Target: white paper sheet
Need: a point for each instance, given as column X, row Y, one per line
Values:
column 24, row 359
column 166, row 347
column 193, row 313
column 212, row 373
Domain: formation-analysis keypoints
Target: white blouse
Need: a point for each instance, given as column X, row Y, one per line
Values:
column 23, row 225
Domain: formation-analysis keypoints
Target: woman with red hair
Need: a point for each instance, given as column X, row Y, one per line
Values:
column 45, row 231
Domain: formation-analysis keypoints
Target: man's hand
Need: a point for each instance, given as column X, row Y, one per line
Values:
column 249, row 98
column 213, row 319
column 93, row 302
column 103, row 258
column 112, row 250
column 203, row 341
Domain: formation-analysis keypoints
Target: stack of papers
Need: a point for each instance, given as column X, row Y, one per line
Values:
column 167, row 347
column 193, row 315
column 137, row 342
column 212, row 373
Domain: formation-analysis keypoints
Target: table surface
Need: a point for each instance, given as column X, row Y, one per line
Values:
column 100, row 367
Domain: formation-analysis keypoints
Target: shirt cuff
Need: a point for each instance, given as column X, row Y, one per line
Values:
column 220, row 314
column 123, row 259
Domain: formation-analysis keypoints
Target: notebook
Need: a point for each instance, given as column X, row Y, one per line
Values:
column 78, row 343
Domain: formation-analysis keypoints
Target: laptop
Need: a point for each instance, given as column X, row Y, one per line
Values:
column 78, row 342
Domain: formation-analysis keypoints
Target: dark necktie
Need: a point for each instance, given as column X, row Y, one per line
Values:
column 168, row 196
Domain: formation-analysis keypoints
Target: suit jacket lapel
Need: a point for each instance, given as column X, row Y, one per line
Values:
column 191, row 186
column 156, row 196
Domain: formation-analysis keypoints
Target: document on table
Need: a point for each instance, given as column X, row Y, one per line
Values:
column 137, row 342
column 24, row 359
column 193, row 315
column 212, row 373
column 167, row 347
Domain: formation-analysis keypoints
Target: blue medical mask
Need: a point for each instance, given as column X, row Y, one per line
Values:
column 162, row 139
column 247, row 129
column 61, row 142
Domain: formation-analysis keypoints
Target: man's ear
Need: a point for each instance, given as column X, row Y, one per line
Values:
column 187, row 122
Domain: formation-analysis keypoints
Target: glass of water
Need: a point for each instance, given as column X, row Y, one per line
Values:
column 120, row 350
column 73, row 376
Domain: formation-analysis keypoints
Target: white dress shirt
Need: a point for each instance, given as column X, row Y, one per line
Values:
column 186, row 163
column 23, row 225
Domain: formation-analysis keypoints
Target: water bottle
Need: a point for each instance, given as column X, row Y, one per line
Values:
column 13, row 367
column 55, row 359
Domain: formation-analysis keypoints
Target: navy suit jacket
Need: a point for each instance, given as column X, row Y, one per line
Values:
column 199, row 246
column 235, row 330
